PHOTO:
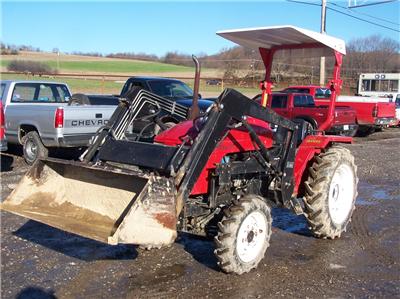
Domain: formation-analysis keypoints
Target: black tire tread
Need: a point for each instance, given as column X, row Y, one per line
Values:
column 316, row 195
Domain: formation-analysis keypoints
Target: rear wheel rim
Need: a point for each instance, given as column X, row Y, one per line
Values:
column 251, row 236
column 31, row 150
column 341, row 194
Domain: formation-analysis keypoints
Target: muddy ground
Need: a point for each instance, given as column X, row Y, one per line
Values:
column 38, row 261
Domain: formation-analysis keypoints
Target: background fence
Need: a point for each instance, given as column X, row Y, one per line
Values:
column 211, row 86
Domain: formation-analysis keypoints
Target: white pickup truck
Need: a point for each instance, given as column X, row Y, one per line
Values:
column 39, row 115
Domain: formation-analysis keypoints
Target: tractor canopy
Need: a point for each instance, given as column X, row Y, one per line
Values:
column 300, row 41
column 295, row 42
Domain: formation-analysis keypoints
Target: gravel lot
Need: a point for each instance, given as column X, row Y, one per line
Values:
column 38, row 261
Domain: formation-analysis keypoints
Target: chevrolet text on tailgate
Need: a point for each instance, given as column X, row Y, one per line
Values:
column 38, row 115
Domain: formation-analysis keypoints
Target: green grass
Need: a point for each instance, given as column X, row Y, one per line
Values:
column 76, row 85
column 96, row 86
column 114, row 66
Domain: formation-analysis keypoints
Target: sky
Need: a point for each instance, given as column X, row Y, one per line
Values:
column 183, row 26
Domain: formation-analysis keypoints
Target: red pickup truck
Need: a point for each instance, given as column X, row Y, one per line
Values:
column 371, row 113
column 302, row 106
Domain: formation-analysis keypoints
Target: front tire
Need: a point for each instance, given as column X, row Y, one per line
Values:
column 330, row 192
column 243, row 235
column 33, row 148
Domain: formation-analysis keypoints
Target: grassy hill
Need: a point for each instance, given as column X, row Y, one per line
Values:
column 77, row 64
column 87, row 64
column 113, row 66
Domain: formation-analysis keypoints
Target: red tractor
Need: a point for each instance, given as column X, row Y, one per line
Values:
column 218, row 175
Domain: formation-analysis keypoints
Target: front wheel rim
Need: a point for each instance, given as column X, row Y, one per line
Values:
column 251, row 236
column 31, row 150
column 341, row 194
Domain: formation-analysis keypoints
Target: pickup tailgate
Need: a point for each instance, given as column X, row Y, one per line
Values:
column 82, row 122
column 386, row 110
column 344, row 115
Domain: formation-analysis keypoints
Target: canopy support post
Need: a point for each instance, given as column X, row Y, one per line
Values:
column 267, row 56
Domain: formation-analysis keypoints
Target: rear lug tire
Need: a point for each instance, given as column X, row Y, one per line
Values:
column 330, row 192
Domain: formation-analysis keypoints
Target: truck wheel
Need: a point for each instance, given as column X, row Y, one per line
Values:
column 33, row 147
column 243, row 235
column 330, row 192
column 350, row 133
column 365, row 131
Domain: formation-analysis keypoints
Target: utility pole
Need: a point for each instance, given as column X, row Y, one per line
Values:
column 323, row 31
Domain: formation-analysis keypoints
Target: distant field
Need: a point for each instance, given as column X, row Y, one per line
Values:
column 114, row 87
column 112, row 66
column 76, row 85
column 88, row 64
column 124, row 66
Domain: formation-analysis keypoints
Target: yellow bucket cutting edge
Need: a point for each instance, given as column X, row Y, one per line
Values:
column 107, row 204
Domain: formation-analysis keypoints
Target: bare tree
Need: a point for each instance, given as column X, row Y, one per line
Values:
column 372, row 54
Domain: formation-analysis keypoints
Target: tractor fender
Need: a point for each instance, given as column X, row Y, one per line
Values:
column 311, row 146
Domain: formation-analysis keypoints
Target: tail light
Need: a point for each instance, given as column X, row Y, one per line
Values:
column 375, row 111
column 59, row 118
column 2, row 121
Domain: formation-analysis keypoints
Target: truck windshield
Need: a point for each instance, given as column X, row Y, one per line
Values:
column 323, row 93
column 40, row 93
column 170, row 89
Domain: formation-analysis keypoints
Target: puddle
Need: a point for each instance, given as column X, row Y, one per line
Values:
column 368, row 193
column 380, row 194
column 362, row 202
column 287, row 221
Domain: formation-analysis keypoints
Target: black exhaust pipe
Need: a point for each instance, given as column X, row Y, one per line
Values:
column 195, row 110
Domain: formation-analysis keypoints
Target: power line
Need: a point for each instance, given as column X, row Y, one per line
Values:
column 360, row 19
column 302, row 2
column 346, row 14
column 362, row 13
column 374, row 3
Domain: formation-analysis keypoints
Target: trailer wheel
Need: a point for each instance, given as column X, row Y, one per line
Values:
column 330, row 192
column 33, row 148
column 243, row 235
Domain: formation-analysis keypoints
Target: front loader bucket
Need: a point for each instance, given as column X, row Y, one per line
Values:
column 108, row 204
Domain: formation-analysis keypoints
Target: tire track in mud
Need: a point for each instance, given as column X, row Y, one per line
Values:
column 358, row 225
column 369, row 242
